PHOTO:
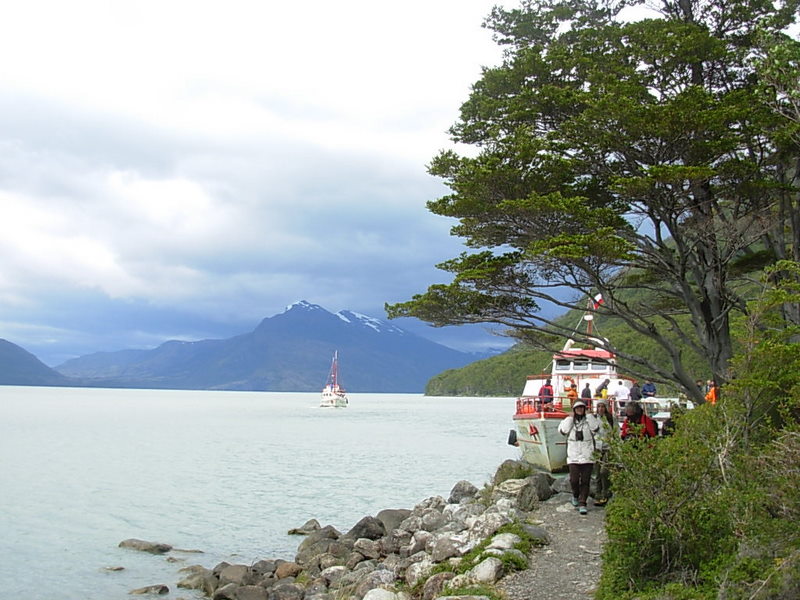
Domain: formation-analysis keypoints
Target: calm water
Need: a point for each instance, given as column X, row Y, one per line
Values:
column 224, row 472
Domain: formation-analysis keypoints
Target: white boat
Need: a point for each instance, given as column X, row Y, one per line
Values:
column 536, row 426
column 333, row 394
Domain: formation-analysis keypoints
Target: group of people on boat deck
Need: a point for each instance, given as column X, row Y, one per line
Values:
column 588, row 438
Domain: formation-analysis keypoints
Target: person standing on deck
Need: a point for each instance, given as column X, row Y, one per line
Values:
column 649, row 389
column 621, row 393
column 586, row 393
column 636, row 392
column 546, row 395
column 572, row 394
column 580, row 430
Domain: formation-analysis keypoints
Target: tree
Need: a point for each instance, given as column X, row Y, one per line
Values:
column 613, row 157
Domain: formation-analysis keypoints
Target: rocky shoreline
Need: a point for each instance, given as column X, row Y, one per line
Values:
column 474, row 543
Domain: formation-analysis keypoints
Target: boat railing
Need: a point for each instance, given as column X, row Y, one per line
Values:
column 527, row 405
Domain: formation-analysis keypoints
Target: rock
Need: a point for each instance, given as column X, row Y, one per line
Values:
column 432, row 519
column 543, row 484
column 307, row 554
column 504, row 541
column 226, row 592
column 287, row 569
column 306, row 528
column 463, row 597
column 159, row 589
column 562, row 486
column 286, row 591
column 238, row 574
column 379, row 578
column 418, row 570
column 512, row 469
column 463, row 489
column 444, row 548
column 368, row 527
column 251, row 592
column 392, row 517
column 487, row 571
column 435, row 584
column 143, row 546
column 265, row 567
column 380, row 594
column 487, row 525
column 113, row 569
column 369, row 548
column 199, row 578
column 332, row 575
column 538, row 534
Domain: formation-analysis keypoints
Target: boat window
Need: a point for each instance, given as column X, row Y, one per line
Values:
column 599, row 366
column 562, row 365
column 580, row 365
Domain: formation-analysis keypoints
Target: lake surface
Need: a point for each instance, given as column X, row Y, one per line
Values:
column 227, row 473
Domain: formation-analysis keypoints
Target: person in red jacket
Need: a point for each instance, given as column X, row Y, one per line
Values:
column 635, row 417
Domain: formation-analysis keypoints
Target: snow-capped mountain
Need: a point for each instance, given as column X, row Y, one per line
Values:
column 290, row 351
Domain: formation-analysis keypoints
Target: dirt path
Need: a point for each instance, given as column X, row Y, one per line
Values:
column 569, row 567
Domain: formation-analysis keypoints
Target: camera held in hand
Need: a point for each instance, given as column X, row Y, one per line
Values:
column 578, row 436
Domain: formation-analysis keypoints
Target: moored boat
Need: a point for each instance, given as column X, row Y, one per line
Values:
column 333, row 394
column 536, row 421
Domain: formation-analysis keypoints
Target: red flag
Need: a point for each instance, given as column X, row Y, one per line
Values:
column 597, row 301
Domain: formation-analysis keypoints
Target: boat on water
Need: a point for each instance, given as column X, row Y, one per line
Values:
column 333, row 394
column 536, row 422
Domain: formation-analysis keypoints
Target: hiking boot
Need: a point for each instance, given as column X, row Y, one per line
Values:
column 600, row 502
column 575, row 502
column 582, row 510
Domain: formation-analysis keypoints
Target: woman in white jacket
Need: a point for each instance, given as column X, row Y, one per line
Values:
column 580, row 430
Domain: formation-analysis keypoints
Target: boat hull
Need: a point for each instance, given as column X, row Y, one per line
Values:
column 539, row 440
column 333, row 398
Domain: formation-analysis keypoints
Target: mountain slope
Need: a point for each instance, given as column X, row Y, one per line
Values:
column 20, row 367
column 290, row 351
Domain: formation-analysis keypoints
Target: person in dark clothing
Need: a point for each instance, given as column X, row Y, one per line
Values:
column 586, row 393
column 636, row 392
column 649, row 389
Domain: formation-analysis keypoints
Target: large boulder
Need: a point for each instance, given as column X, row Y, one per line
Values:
column 462, row 490
column 238, row 574
column 392, row 517
column 286, row 591
column 251, row 592
column 368, row 527
column 513, row 469
column 543, row 484
column 435, row 584
column 306, row 528
column 487, row 571
column 159, row 589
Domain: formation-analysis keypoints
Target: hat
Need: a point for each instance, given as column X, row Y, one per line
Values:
column 579, row 403
column 599, row 401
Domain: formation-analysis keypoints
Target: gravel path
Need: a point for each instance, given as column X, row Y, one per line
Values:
column 569, row 567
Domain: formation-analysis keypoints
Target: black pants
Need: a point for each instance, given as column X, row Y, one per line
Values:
column 579, row 478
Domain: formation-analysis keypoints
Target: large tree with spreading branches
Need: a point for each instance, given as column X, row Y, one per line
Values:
column 614, row 156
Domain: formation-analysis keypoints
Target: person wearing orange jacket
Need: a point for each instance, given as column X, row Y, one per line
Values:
column 713, row 391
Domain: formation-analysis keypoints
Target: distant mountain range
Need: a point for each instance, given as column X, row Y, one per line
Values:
column 291, row 351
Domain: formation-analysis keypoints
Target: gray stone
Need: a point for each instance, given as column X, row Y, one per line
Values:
column 226, row 592
column 392, row 517
column 306, row 528
column 512, row 469
column 286, row 591
column 418, row 570
column 543, row 484
column 462, row 490
column 444, row 548
column 143, row 546
column 332, row 575
column 367, row 547
column 435, row 584
column 379, row 578
column 368, row 527
column 538, row 534
column 488, row 570
column 159, row 589
column 238, row 574
column 251, row 592
column 487, row 525
column 265, row 567
column 380, row 594
column 432, row 519
column 504, row 541
column 199, row 578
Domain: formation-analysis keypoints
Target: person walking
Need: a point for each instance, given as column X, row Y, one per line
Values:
column 580, row 430
column 607, row 428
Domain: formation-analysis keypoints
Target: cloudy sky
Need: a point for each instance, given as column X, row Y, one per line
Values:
column 183, row 169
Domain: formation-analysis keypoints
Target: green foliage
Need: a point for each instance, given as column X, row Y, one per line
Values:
column 475, row 590
column 713, row 511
